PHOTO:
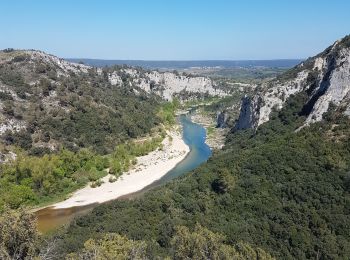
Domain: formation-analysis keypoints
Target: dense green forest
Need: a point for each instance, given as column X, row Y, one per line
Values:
column 279, row 191
column 19, row 239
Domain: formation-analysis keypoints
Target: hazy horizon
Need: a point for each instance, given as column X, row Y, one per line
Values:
column 181, row 30
column 188, row 64
column 84, row 58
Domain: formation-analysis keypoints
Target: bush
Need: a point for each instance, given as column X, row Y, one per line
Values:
column 20, row 58
column 112, row 179
column 96, row 184
column 18, row 235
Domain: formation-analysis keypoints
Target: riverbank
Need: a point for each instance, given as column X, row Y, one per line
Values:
column 147, row 170
column 215, row 136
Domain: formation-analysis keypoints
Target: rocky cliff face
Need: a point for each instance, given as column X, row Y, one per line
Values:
column 325, row 79
column 168, row 84
column 221, row 119
column 249, row 109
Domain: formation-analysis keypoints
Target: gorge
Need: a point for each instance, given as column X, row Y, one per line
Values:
column 277, row 187
column 193, row 135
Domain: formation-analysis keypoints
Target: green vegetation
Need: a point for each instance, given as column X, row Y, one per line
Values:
column 205, row 244
column 110, row 247
column 283, row 191
column 32, row 180
column 210, row 130
column 76, row 126
column 198, row 244
column 244, row 74
column 124, row 156
column 18, row 235
column 72, row 111
column 19, row 240
column 199, row 102
column 212, row 105
column 167, row 111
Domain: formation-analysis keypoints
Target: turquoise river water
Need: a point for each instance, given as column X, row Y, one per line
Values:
column 194, row 136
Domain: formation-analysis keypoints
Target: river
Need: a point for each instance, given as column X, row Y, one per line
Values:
column 194, row 136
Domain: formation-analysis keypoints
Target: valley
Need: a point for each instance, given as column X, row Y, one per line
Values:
column 278, row 186
column 92, row 118
column 249, row 161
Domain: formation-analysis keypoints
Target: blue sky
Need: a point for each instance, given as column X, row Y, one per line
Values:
column 174, row 30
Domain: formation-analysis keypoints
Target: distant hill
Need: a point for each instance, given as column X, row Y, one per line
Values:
column 152, row 64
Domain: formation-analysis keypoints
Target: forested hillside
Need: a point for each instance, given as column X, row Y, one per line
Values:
column 63, row 124
column 280, row 190
column 48, row 103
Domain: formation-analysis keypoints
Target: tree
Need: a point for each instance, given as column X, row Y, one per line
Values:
column 111, row 246
column 205, row 244
column 224, row 182
column 18, row 235
column 200, row 244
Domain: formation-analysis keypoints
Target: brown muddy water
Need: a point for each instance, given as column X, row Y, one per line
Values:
column 49, row 218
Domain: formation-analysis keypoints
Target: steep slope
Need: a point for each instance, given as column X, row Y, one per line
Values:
column 324, row 79
column 166, row 84
column 62, row 124
column 283, row 191
column 47, row 103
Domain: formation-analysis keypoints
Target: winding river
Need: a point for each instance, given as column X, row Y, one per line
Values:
column 194, row 136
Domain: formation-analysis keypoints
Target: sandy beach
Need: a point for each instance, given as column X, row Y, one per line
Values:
column 148, row 169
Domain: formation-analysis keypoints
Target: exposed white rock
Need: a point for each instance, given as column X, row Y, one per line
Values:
column 329, row 82
column 319, row 63
column 62, row 64
column 347, row 111
column 12, row 125
column 6, row 157
column 132, row 72
column 166, row 84
column 174, row 84
column 277, row 95
column 115, row 79
column 338, row 87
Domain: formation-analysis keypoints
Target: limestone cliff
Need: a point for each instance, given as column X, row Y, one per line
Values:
column 168, row 84
column 325, row 79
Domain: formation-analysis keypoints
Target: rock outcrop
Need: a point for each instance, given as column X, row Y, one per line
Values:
column 221, row 119
column 21, row 72
column 41, row 96
column 249, row 109
column 325, row 79
column 168, row 84
column 62, row 66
